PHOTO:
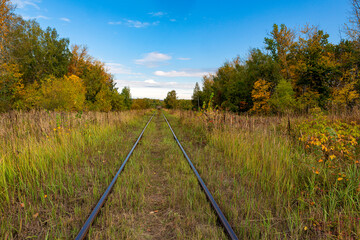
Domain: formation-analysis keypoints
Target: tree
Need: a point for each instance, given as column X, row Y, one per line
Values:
column 283, row 98
column 5, row 19
column 280, row 45
column 127, row 97
column 11, row 86
column 67, row 93
column 38, row 53
column 353, row 27
column 261, row 96
column 316, row 66
column 345, row 95
column 171, row 100
column 197, row 97
column 207, row 90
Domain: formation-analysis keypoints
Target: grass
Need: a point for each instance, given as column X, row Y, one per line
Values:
column 263, row 181
column 54, row 167
column 157, row 196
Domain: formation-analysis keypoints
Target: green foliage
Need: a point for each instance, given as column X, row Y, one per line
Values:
column 38, row 70
column 334, row 143
column 125, row 92
column 38, row 53
column 184, row 104
column 117, row 101
column 318, row 73
column 283, row 98
column 171, row 101
column 197, row 97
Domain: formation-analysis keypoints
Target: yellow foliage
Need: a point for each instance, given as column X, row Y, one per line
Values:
column 5, row 17
column 261, row 96
column 345, row 94
column 11, row 86
column 67, row 93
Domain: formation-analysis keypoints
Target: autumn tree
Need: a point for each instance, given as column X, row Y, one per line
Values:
column 261, row 96
column 345, row 95
column 280, row 44
column 67, row 93
column 5, row 19
column 11, row 87
column 315, row 65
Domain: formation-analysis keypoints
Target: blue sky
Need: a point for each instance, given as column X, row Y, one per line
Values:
column 156, row 46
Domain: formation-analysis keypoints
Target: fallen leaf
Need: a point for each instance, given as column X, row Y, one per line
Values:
column 22, row 205
column 35, row 215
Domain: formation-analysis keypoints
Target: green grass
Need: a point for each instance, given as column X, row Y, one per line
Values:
column 55, row 166
column 157, row 196
column 51, row 176
column 263, row 181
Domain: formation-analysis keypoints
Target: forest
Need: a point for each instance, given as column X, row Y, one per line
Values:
column 39, row 70
column 297, row 70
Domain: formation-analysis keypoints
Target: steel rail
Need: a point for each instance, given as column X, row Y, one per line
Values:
column 217, row 209
column 84, row 230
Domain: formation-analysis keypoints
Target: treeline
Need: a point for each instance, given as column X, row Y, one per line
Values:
column 38, row 69
column 295, row 72
column 172, row 102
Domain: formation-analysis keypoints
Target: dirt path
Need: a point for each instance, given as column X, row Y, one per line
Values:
column 157, row 195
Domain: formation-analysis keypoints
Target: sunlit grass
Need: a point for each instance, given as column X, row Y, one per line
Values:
column 265, row 183
column 55, row 166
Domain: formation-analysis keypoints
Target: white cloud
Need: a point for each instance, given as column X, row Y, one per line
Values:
column 157, row 14
column 190, row 73
column 184, row 59
column 151, row 81
column 172, row 20
column 37, row 17
column 153, row 59
column 115, row 23
column 134, row 23
column 117, row 68
column 24, row 3
column 156, row 90
column 65, row 19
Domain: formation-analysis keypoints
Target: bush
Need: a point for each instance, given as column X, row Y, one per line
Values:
column 67, row 93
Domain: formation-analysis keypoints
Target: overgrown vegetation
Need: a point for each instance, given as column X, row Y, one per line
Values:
column 54, row 167
column 276, row 177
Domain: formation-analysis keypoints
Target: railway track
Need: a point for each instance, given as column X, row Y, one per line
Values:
column 222, row 219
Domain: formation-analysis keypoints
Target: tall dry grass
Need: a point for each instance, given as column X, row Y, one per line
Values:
column 265, row 180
